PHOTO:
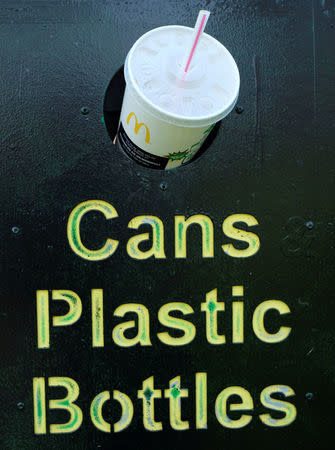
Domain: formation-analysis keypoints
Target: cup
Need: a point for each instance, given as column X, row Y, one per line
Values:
column 166, row 113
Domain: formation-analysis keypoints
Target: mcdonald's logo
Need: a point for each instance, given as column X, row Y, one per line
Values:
column 138, row 126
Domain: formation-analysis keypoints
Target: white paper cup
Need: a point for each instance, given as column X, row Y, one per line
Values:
column 167, row 115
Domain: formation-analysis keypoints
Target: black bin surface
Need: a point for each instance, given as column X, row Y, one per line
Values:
column 272, row 159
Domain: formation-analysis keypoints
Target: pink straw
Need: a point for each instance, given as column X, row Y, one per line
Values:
column 198, row 30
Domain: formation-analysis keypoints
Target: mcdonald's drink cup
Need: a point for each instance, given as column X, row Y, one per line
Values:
column 166, row 113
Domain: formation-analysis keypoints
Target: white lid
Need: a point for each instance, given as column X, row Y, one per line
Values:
column 154, row 73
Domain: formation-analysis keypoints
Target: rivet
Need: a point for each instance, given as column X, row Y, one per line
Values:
column 84, row 110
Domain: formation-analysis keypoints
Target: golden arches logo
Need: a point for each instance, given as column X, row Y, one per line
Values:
column 138, row 126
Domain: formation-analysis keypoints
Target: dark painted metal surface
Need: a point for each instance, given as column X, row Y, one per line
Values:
column 274, row 161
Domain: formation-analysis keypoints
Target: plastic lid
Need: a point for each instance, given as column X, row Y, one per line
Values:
column 154, row 72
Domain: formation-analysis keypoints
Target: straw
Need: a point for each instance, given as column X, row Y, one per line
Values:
column 198, row 30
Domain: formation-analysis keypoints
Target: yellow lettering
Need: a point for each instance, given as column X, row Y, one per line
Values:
column 127, row 411
column 211, row 307
column 75, row 308
column 175, row 394
column 238, row 316
column 258, row 322
column 174, row 322
column 143, row 335
column 40, row 426
column 148, row 395
column 96, row 412
column 278, row 405
column 97, row 318
column 201, row 400
column 66, row 403
column 43, row 327
column 181, row 226
column 221, row 407
column 73, row 230
column 240, row 235
column 42, row 303
column 157, row 249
